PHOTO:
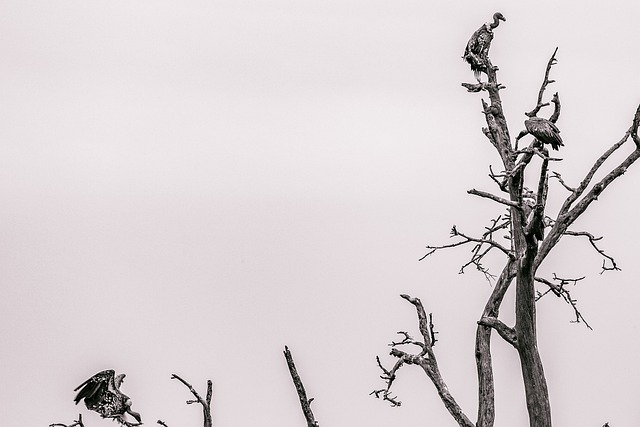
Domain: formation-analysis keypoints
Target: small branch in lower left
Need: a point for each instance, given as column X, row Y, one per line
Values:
column 76, row 423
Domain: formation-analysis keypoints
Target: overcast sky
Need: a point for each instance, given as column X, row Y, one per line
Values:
column 188, row 186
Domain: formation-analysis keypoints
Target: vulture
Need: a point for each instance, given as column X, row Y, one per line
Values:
column 545, row 131
column 478, row 46
column 101, row 393
column 529, row 201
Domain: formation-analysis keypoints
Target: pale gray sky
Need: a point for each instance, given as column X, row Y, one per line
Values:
column 188, row 186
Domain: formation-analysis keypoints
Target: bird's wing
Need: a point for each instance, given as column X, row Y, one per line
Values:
column 554, row 127
column 94, row 386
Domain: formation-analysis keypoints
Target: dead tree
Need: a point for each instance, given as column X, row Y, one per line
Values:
column 532, row 234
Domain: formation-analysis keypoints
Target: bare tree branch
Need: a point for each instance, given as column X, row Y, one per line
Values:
column 493, row 197
column 561, row 291
column 482, row 247
column 302, row 394
column 592, row 241
column 389, row 377
column 557, row 176
column 552, row 61
column 426, row 359
column 206, row 404
column 634, row 127
column 76, row 423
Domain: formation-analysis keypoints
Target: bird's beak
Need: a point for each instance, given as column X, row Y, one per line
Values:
column 134, row 415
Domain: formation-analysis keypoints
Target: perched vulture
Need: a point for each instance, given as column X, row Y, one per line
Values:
column 478, row 46
column 544, row 131
column 101, row 393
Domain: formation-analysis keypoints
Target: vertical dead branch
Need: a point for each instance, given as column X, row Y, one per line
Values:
column 305, row 403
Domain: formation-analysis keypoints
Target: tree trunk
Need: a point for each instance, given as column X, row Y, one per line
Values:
column 535, row 384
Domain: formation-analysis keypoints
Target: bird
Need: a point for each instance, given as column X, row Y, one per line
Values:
column 545, row 131
column 101, row 393
column 529, row 202
column 478, row 46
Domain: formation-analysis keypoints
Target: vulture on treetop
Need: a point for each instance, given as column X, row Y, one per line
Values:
column 101, row 393
column 478, row 46
column 545, row 131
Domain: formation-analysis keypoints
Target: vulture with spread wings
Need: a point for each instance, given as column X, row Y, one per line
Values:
column 101, row 393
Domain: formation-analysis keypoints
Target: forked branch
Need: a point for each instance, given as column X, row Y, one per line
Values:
column 426, row 359
column 482, row 245
column 561, row 291
column 552, row 61
column 206, row 403
column 76, row 423
column 592, row 240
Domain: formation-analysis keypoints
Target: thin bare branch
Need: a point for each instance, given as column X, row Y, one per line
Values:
column 634, row 127
column 493, row 197
column 389, row 377
column 485, row 240
column 592, row 241
column 483, row 245
column 561, row 291
column 556, row 113
column 305, row 403
column 543, row 87
column 76, row 423
column 557, row 176
column 408, row 339
column 162, row 423
column 206, row 404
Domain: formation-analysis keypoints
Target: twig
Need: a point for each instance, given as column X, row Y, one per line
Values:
column 557, row 176
column 76, row 423
column 482, row 247
column 406, row 340
column 388, row 376
column 561, row 291
column 162, row 423
column 593, row 240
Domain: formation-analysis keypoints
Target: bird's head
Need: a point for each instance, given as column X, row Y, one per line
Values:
column 499, row 17
column 129, row 411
